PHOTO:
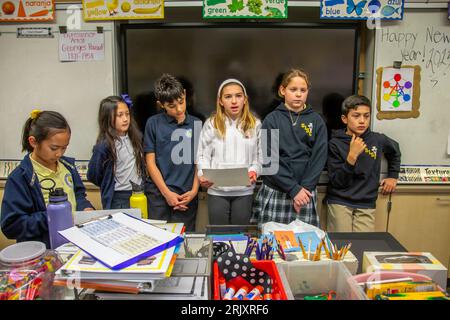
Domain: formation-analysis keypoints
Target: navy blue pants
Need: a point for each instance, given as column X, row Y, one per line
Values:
column 121, row 200
column 159, row 209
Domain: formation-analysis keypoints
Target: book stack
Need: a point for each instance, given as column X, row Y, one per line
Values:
column 120, row 257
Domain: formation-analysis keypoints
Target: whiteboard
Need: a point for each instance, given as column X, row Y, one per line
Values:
column 32, row 76
column 422, row 38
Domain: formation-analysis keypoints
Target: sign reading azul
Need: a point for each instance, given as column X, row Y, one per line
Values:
column 361, row 9
column 245, row 9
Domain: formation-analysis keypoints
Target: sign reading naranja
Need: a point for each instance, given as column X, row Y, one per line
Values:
column 27, row 11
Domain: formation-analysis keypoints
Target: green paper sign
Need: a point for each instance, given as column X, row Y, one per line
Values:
column 268, row 9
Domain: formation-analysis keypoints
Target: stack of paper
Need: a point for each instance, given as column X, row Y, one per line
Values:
column 173, row 288
column 120, row 254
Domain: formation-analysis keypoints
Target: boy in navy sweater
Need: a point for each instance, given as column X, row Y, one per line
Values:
column 354, row 162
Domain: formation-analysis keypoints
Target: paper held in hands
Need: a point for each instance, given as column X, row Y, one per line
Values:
column 236, row 177
column 120, row 240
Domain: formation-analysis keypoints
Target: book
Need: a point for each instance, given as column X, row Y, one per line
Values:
column 287, row 240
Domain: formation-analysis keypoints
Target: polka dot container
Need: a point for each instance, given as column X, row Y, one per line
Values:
column 267, row 266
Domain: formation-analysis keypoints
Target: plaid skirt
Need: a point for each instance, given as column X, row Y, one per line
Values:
column 272, row 205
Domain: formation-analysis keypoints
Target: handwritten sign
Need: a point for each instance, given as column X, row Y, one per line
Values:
column 27, row 11
column 428, row 47
column 122, row 9
column 81, row 46
column 361, row 9
column 245, row 9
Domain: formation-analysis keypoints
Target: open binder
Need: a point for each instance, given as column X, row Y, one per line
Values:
column 120, row 240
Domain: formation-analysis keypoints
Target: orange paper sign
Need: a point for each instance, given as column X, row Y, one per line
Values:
column 27, row 10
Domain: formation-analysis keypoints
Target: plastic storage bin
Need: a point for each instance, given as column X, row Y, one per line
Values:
column 27, row 272
column 388, row 275
column 321, row 277
column 267, row 266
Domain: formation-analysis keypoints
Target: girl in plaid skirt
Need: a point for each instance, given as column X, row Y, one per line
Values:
column 293, row 157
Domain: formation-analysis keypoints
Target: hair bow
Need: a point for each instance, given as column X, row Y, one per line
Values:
column 35, row 113
column 127, row 100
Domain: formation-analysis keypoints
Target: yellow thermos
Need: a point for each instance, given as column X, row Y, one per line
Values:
column 138, row 200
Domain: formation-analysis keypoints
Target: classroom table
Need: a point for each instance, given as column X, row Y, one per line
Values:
column 367, row 241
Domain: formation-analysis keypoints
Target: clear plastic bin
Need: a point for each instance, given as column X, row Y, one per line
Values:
column 27, row 270
column 320, row 277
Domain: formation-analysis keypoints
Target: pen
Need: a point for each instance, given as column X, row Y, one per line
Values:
column 281, row 251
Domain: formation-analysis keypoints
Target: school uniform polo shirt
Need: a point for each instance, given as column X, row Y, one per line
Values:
column 126, row 168
column 62, row 178
column 174, row 145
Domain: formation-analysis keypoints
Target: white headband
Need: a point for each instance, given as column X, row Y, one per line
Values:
column 228, row 81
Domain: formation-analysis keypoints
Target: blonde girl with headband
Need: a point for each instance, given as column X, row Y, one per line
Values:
column 290, row 193
column 46, row 135
column 230, row 138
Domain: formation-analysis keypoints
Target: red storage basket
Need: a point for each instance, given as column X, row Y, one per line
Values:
column 267, row 266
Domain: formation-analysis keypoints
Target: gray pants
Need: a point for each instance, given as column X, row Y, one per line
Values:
column 229, row 210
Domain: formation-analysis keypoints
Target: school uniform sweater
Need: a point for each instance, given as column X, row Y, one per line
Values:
column 24, row 215
column 357, row 186
column 101, row 173
column 302, row 151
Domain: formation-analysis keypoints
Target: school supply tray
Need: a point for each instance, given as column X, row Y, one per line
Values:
column 390, row 277
column 268, row 266
column 320, row 278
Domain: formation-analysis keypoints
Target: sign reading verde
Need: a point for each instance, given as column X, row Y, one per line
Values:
column 245, row 9
column 362, row 9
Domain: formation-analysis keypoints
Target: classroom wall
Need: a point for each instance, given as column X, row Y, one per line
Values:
column 33, row 77
column 422, row 39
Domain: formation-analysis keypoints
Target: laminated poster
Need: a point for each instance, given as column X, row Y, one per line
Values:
column 272, row 9
column 27, row 11
column 94, row 10
column 362, row 9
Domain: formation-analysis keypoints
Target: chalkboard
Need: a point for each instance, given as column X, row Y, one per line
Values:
column 421, row 39
column 33, row 77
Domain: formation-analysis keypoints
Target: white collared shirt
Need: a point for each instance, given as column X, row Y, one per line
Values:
column 236, row 150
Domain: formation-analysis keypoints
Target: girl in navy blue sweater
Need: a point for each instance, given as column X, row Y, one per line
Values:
column 288, row 192
column 46, row 135
column 117, row 158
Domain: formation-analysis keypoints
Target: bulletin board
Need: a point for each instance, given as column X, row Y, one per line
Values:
column 33, row 77
column 420, row 40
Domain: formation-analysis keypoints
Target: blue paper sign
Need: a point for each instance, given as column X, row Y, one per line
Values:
column 362, row 9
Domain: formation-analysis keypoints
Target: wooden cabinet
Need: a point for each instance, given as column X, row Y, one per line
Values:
column 420, row 220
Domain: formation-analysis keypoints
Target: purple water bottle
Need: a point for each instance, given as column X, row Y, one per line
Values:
column 59, row 216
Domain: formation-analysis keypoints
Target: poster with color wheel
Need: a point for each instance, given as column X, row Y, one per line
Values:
column 27, row 11
column 397, row 91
